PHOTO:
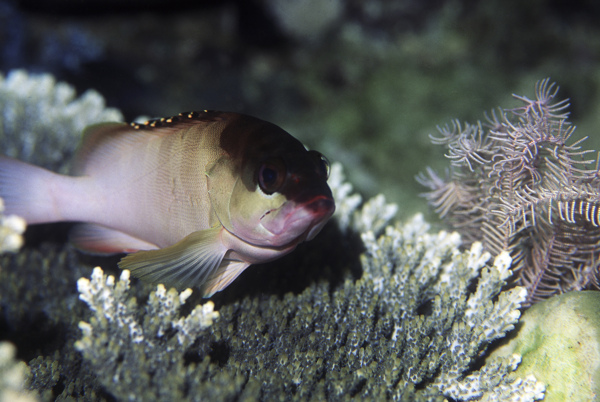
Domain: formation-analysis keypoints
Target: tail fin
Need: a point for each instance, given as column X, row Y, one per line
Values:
column 29, row 191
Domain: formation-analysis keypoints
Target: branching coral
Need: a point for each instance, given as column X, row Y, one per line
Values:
column 13, row 376
column 132, row 349
column 412, row 268
column 523, row 186
column 409, row 322
column 373, row 216
column 11, row 231
column 42, row 121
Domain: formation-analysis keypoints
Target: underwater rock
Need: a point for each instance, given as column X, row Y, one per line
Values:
column 559, row 340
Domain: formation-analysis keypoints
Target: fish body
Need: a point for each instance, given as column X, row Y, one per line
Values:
column 195, row 198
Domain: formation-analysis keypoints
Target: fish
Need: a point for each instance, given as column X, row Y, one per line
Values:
column 193, row 199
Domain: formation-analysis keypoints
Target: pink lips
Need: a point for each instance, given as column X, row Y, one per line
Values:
column 302, row 221
column 322, row 207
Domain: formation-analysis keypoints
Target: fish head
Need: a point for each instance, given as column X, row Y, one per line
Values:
column 279, row 195
column 290, row 201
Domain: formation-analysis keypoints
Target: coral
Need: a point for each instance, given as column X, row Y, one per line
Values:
column 13, row 376
column 523, row 186
column 559, row 339
column 11, row 229
column 347, row 203
column 411, row 268
column 42, row 121
column 132, row 350
column 39, row 313
column 409, row 321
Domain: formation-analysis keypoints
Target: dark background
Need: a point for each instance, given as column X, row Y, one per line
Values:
column 363, row 82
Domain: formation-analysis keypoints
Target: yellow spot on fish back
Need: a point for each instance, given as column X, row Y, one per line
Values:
column 203, row 116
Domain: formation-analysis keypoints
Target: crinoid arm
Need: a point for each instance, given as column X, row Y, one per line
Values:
column 521, row 183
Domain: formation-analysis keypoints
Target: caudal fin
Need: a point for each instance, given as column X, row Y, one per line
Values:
column 29, row 191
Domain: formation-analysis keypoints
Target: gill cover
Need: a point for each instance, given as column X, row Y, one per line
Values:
column 238, row 201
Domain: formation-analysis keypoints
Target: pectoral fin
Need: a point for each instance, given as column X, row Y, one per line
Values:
column 190, row 262
column 225, row 274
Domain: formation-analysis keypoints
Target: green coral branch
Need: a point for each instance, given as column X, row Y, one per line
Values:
column 412, row 268
column 495, row 383
column 346, row 202
column 116, row 331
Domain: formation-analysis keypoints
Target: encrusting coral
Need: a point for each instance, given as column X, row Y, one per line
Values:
column 411, row 324
column 519, row 184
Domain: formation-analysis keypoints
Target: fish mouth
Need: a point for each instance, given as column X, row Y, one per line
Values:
column 297, row 222
column 321, row 209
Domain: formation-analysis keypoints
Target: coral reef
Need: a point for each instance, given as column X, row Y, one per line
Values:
column 522, row 185
column 559, row 340
column 410, row 268
column 410, row 324
column 409, row 321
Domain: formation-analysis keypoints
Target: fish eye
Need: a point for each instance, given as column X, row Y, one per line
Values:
column 271, row 176
column 322, row 163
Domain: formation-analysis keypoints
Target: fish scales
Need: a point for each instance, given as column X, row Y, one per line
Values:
column 137, row 179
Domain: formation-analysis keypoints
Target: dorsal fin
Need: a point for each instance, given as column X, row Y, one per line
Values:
column 181, row 120
column 102, row 140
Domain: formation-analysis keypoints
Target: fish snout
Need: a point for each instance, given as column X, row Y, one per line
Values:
column 321, row 206
column 296, row 222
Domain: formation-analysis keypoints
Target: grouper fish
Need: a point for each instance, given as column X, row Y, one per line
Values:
column 195, row 199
